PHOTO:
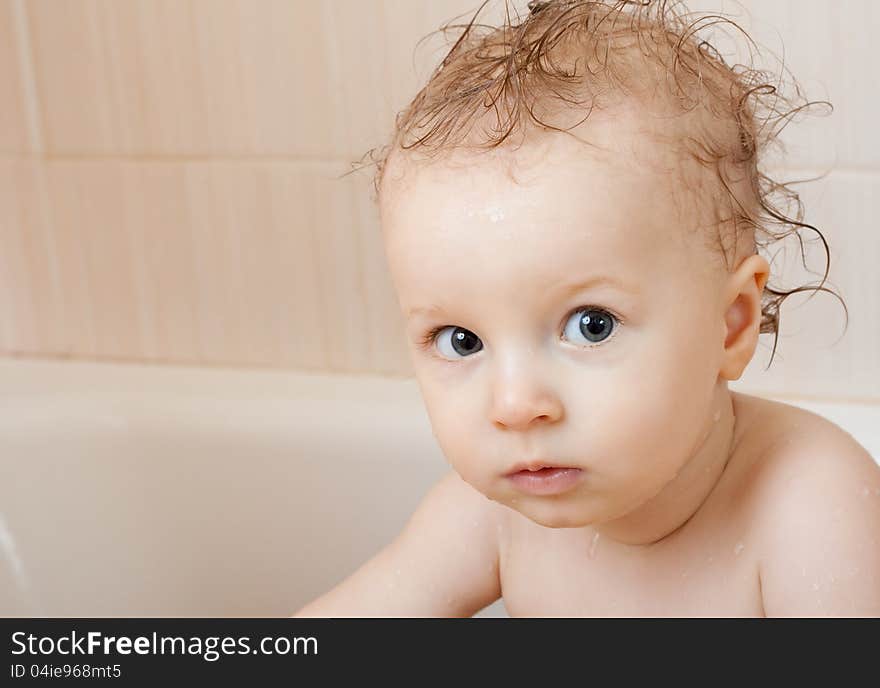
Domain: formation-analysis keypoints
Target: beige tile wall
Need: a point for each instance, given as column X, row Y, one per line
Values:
column 169, row 183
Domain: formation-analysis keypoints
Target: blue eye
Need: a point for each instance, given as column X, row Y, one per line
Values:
column 461, row 341
column 594, row 325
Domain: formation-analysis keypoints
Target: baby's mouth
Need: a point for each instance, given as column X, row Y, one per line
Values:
column 545, row 480
column 537, row 468
column 541, row 471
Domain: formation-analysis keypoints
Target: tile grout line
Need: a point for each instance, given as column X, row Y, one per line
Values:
column 280, row 159
column 283, row 158
column 25, row 55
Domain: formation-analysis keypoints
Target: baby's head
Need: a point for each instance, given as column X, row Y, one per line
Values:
column 580, row 282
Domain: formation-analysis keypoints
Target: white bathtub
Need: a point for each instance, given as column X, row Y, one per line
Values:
column 136, row 490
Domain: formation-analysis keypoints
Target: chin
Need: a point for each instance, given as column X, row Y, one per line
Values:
column 555, row 517
column 561, row 523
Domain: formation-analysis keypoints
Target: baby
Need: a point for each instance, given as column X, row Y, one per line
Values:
column 580, row 281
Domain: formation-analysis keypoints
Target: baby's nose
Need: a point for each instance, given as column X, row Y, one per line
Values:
column 521, row 399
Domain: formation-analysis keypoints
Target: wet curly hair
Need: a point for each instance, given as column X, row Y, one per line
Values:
column 611, row 52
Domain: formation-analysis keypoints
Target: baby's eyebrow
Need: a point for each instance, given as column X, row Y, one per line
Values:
column 565, row 288
column 423, row 310
column 595, row 281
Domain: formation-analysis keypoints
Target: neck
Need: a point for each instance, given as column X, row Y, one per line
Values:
column 680, row 500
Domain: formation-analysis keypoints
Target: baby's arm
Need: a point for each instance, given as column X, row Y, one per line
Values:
column 443, row 563
column 820, row 553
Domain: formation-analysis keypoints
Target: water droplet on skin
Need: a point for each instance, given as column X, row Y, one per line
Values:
column 815, row 586
column 866, row 491
column 495, row 214
column 592, row 551
column 832, row 577
column 684, row 573
column 739, row 548
column 804, row 571
column 717, row 416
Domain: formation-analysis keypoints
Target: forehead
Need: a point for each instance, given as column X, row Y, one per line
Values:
column 557, row 205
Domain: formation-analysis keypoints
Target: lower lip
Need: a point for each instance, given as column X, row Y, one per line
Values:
column 547, row 481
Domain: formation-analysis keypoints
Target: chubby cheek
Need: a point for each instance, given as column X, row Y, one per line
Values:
column 453, row 414
column 653, row 418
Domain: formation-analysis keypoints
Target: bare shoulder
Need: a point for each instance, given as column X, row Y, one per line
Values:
column 450, row 545
column 453, row 506
column 816, row 518
column 800, row 448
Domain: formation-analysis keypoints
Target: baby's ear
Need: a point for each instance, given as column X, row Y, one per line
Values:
column 743, row 314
